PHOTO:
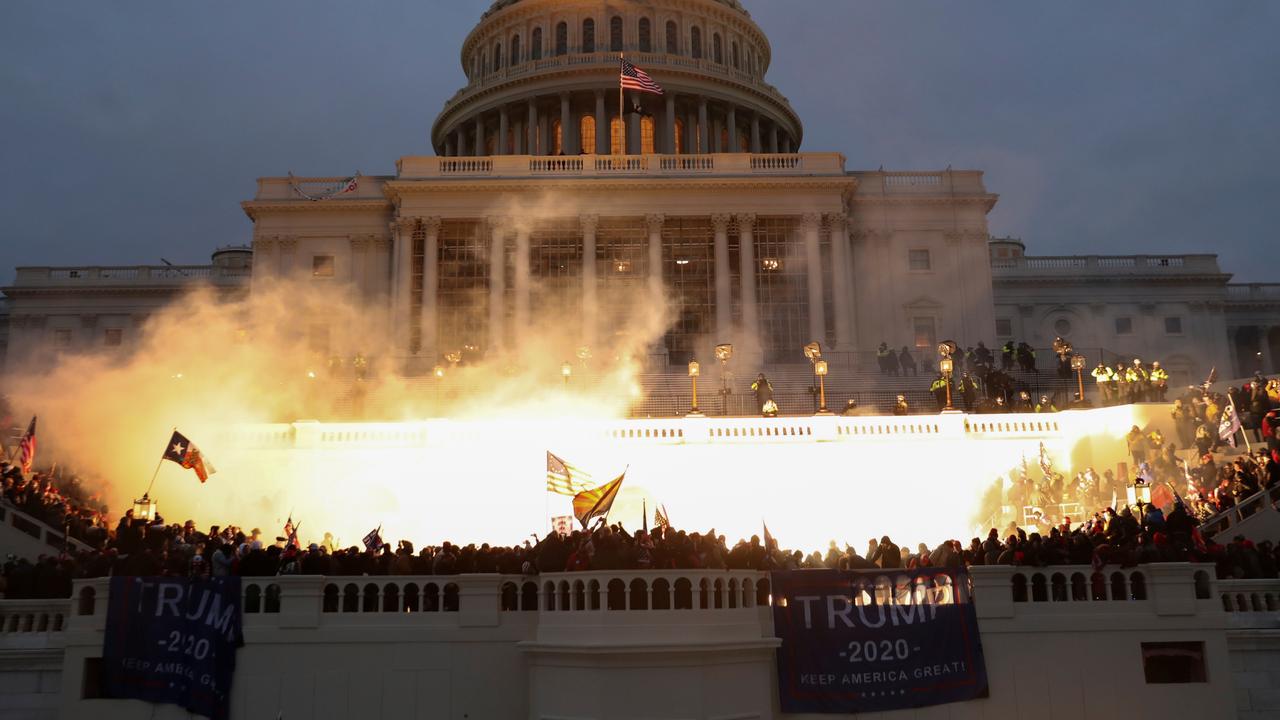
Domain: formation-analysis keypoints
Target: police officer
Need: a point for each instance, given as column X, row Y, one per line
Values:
column 1106, row 379
column 939, row 390
column 1135, row 377
column 1006, row 356
column 1159, row 382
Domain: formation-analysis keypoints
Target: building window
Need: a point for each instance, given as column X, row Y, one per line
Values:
column 615, row 34
column 695, row 42
column 497, row 57
column 646, row 135
column 679, row 136
column 113, row 337
column 736, row 58
column 587, row 129
column 1004, row 327
column 588, row 36
column 1062, row 327
column 673, row 38
column 1173, row 662
column 919, row 260
column 1173, row 326
column 646, row 35
column 717, row 49
column 615, row 136
column 557, row 138
column 62, row 338
column 1124, row 326
column 515, row 50
column 535, row 45
column 322, row 266
column 925, row 332
column 562, row 38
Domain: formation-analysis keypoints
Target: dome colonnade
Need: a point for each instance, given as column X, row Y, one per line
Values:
column 543, row 80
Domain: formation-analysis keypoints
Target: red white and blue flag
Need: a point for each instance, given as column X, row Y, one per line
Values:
column 185, row 453
column 27, row 447
column 373, row 541
column 633, row 78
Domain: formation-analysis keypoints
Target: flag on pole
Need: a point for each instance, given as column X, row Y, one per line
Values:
column 644, row 515
column 1229, row 425
column 1046, row 465
column 633, row 78
column 769, row 542
column 660, row 517
column 565, row 479
column 27, row 447
column 373, row 541
column 291, row 532
column 596, row 502
column 185, row 453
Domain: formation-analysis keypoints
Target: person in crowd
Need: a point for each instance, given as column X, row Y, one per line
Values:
column 938, row 388
column 1007, row 353
column 1159, row 382
column 887, row 360
column 763, row 391
column 900, row 406
column 907, row 362
column 1105, row 378
column 1027, row 358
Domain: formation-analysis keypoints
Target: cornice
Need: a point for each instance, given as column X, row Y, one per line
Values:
column 256, row 208
column 395, row 190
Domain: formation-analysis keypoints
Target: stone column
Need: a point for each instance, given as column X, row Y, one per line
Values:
column 497, row 278
column 461, row 133
column 590, row 311
column 691, row 133
column 521, row 281
column 724, row 296
column 531, row 128
column 773, row 138
column 812, row 225
column 755, row 132
column 480, row 149
column 401, row 280
column 841, row 301
column 359, row 262
column 732, row 121
column 632, row 135
column 500, row 147
column 450, row 146
column 602, row 125
column 656, row 294
column 786, row 143
column 669, row 134
column 518, row 137
column 704, row 132
column 430, row 285
column 747, row 272
column 566, row 134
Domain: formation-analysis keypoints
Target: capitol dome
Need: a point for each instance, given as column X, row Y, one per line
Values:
column 542, row 79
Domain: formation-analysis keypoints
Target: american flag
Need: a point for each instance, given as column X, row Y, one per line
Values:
column 633, row 78
column 27, row 447
column 565, row 479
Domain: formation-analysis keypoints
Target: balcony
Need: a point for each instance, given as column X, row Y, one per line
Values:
column 423, row 167
column 1106, row 265
column 1254, row 293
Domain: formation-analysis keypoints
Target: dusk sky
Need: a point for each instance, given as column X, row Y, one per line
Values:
column 132, row 130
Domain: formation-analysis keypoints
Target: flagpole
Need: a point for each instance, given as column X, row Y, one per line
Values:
column 157, row 472
column 1236, row 416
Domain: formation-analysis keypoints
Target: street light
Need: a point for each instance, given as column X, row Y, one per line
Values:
column 566, row 370
column 144, row 508
column 1139, row 492
column 724, row 352
column 694, row 371
column 947, row 366
column 813, row 352
column 1077, row 364
column 820, row 369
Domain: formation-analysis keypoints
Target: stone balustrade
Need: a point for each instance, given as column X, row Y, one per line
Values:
column 1254, row 293
column 720, row 164
column 1116, row 265
column 133, row 275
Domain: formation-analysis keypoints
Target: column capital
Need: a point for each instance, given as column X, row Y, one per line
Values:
column 745, row 221
column 497, row 223
column 431, row 223
column 654, row 222
column 360, row 243
column 836, row 220
column 811, row 221
column 589, row 223
column 264, row 243
column 720, row 222
column 403, row 224
column 381, row 243
column 288, row 243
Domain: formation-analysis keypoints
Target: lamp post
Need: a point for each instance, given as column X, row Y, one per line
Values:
column 1077, row 364
column 820, row 369
column 1139, row 492
column 144, row 508
column 694, row 371
column 566, row 370
column 724, row 352
column 813, row 353
column 947, row 366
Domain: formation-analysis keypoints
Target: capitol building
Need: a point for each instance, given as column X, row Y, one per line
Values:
column 537, row 197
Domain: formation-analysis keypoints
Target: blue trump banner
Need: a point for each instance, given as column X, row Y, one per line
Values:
column 173, row 640
column 871, row 640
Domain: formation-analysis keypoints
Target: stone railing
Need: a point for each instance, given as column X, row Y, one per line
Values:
column 142, row 275
column 423, row 167
column 36, row 529
column 1266, row 500
column 24, row 617
column 1254, row 293
column 1106, row 265
column 909, row 182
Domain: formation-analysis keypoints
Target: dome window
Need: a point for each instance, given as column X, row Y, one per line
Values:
column 562, row 38
column 717, row 49
column 515, row 50
column 673, row 38
column 588, row 36
column 695, row 42
column 615, row 34
column 646, row 35
column 535, row 45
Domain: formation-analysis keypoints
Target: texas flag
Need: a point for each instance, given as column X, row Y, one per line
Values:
column 185, row 453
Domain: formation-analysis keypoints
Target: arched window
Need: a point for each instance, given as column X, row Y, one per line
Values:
column 475, row 65
column 556, row 146
column 695, row 42
column 587, row 129
column 497, row 56
column 724, row 140
column 737, row 64
column 673, row 38
column 717, row 49
column 588, row 36
column 679, row 136
column 646, row 36
column 646, row 135
column 615, row 136
column 535, row 45
column 615, row 34
column 562, row 38
column 744, row 142
column 515, row 50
